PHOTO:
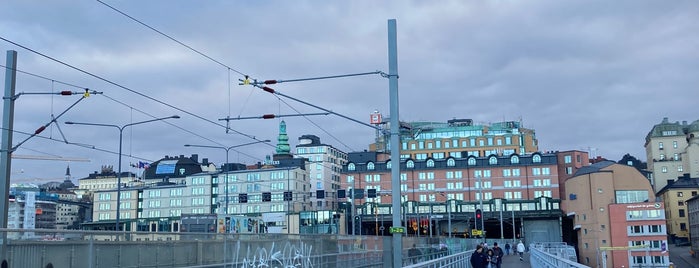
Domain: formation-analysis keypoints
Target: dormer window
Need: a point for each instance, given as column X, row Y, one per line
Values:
column 493, row 160
column 370, row 166
column 514, row 159
column 351, row 166
column 410, row 164
column 451, row 162
column 536, row 158
column 388, row 164
column 471, row 161
column 430, row 163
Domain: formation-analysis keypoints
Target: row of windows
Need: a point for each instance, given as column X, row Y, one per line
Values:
column 438, row 144
column 645, row 229
column 493, row 160
column 663, row 169
column 458, row 174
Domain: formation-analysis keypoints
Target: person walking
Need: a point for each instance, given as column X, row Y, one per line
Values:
column 414, row 254
column 507, row 248
column 520, row 250
column 496, row 259
column 478, row 258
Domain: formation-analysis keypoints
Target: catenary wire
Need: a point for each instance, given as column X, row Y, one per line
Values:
column 124, row 104
column 127, row 88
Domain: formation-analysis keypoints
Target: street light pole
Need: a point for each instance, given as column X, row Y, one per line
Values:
column 121, row 135
column 227, row 149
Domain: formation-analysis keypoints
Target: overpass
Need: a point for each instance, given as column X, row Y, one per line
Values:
column 65, row 248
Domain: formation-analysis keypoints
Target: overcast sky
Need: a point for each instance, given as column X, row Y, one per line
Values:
column 583, row 74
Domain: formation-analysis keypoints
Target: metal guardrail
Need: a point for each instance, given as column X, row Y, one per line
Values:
column 552, row 255
column 82, row 249
column 457, row 260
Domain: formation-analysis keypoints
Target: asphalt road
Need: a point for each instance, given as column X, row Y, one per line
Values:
column 681, row 258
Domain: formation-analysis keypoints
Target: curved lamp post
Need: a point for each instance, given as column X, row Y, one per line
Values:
column 227, row 149
column 121, row 135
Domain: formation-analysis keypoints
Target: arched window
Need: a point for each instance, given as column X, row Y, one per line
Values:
column 493, row 160
column 471, row 161
column 351, row 166
column 410, row 164
column 514, row 159
column 536, row 158
column 370, row 166
column 451, row 162
column 388, row 164
column 430, row 163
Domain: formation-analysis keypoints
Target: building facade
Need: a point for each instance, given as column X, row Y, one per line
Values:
column 324, row 170
column 672, row 149
column 615, row 217
column 436, row 190
column 460, row 138
column 693, row 213
column 674, row 197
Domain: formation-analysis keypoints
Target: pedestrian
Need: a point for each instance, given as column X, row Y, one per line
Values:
column 496, row 259
column 520, row 250
column 414, row 254
column 507, row 248
column 478, row 259
column 491, row 256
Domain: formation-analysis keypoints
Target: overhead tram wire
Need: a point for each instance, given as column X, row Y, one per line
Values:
column 315, row 124
column 230, row 68
column 126, row 88
column 245, row 75
column 117, row 101
column 171, row 38
column 92, row 147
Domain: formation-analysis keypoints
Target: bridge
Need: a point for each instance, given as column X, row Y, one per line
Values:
column 65, row 248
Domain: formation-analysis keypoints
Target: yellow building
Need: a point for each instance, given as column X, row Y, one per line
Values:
column 674, row 196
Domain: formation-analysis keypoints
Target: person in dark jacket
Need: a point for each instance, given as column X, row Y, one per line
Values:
column 496, row 260
column 478, row 259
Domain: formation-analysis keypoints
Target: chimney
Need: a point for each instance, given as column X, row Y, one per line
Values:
column 205, row 161
column 195, row 158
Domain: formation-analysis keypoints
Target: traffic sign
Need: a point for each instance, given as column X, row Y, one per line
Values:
column 475, row 232
column 396, row 230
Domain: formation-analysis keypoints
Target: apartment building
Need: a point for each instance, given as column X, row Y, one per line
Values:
column 460, row 138
column 324, row 170
column 674, row 197
column 672, row 149
column 615, row 216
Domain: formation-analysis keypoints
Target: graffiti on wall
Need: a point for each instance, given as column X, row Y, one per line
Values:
column 283, row 256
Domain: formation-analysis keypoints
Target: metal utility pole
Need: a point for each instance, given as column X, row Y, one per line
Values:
column 7, row 127
column 395, row 142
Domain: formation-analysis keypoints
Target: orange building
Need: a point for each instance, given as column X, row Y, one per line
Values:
column 615, row 216
column 453, row 187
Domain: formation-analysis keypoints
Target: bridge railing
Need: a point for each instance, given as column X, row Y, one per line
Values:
column 553, row 255
column 96, row 249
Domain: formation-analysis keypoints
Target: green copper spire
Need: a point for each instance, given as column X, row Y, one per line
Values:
column 283, row 140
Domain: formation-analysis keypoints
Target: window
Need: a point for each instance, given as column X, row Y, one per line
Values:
column 351, row 166
column 660, row 145
column 664, row 169
column 471, row 161
column 536, row 158
column 370, row 166
column 680, row 194
column 674, row 144
column 569, row 170
column 451, row 162
column 676, row 157
column 410, row 164
column 493, row 160
column 430, row 163
column 681, row 213
column 388, row 164
column 636, row 229
column 514, row 159
column 662, row 157
column 568, row 159
column 679, row 168
column 683, row 226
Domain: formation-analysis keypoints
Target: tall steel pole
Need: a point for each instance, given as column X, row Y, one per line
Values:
column 225, row 170
column 395, row 141
column 121, row 132
column 7, row 127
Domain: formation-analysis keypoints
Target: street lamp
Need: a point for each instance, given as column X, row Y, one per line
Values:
column 227, row 149
column 121, row 134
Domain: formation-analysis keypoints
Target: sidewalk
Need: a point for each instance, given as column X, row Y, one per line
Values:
column 689, row 259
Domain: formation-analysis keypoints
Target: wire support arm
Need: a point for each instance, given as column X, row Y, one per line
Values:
column 42, row 128
column 271, row 90
column 269, row 116
column 279, row 81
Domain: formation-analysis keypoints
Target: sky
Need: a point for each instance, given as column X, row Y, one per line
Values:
column 585, row 75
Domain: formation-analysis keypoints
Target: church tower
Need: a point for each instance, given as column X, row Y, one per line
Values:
column 283, row 150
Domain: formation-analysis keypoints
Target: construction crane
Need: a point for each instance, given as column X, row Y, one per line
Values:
column 49, row 158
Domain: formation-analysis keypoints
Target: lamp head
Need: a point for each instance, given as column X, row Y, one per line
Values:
column 69, row 122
